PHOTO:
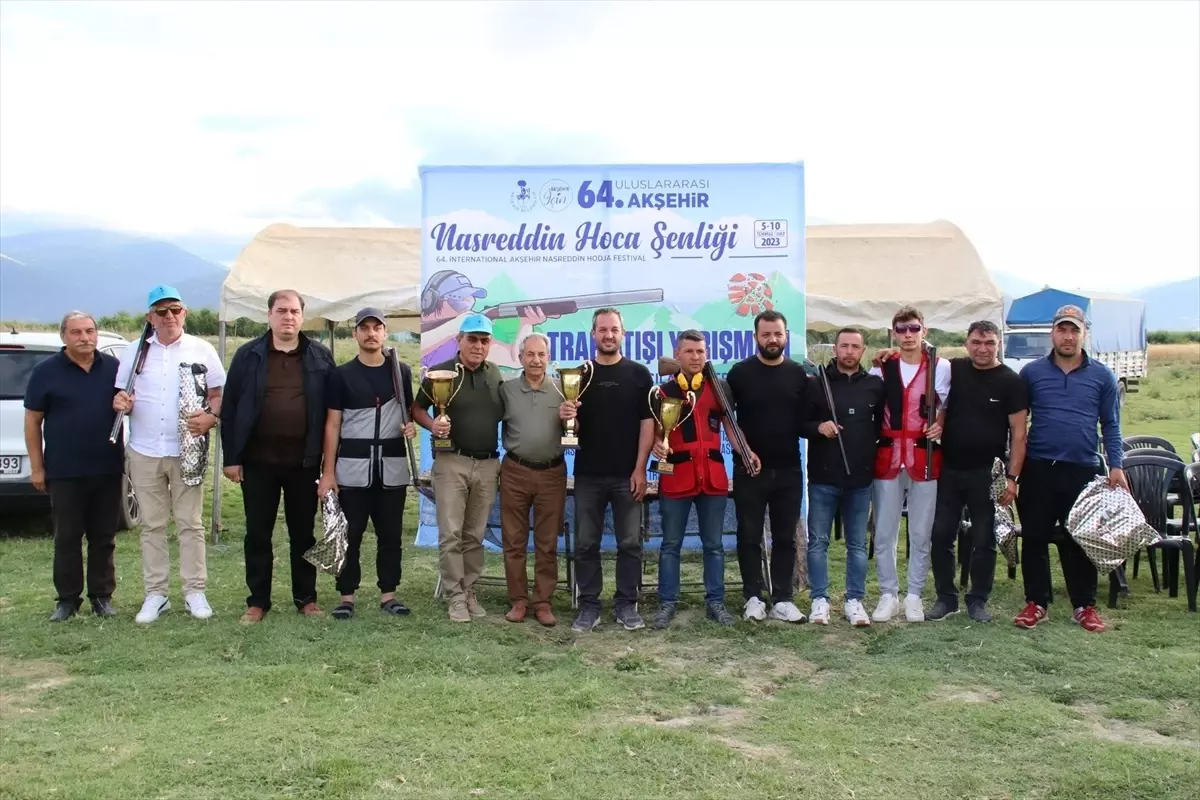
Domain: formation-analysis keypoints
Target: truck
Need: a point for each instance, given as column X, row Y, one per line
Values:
column 1116, row 338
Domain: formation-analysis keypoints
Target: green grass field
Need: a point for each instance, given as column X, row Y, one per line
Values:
column 382, row 707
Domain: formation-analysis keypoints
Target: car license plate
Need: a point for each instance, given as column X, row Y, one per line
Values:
column 10, row 465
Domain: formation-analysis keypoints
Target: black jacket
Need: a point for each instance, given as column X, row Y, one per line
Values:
column 858, row 401
column 241, row 400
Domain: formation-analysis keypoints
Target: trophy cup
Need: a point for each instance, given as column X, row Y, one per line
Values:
column 572, row 389
column 670, row 416
column 441, row 381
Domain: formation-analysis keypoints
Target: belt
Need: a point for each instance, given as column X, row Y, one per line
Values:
column 551, row 464
column 478, row 455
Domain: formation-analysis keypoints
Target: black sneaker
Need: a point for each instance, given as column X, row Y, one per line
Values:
column 64, row 611
column 629, row 618
column 977, row 611
column 941, row 609
column 718, row 613
column 664, row 615
column 588, row 618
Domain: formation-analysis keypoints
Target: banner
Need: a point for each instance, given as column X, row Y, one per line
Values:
column 672, row 247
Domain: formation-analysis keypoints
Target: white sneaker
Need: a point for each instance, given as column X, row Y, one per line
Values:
column 819, row 614
column 197, row 605
column 914, row 609
column 154, row 605
column 856, row 614
column 787, row 612
column 889, row 604
column 755, row 609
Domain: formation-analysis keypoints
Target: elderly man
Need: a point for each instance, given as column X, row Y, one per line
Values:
column 153, row 452
column 272, row 426
column 70, row 399
column 1070, row 396
column 465, row 477
column 533, row 475
column 366, row 460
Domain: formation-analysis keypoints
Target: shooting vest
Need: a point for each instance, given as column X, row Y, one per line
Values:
column 695, row 448
column 902, row 440
column 372, row 450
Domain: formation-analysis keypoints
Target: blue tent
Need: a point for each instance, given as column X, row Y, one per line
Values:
column 1117, row 323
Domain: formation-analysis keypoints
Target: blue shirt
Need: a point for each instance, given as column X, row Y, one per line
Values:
column 78, row 416
column 1065, row 408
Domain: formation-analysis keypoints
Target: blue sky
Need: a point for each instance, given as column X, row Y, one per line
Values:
column 1063, row 138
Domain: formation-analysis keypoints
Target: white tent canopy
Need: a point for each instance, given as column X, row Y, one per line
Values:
column 336, row 270
column 861, row 274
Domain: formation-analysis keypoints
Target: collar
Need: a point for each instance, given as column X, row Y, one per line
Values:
column 271, row 348
column 97, row 360
column 525, row 387
column 481, row 368
column 834, row 374
column 1083, row 363
column 154, row 340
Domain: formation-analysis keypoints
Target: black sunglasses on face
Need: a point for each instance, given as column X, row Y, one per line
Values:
column 162, row 312
column 912, row 327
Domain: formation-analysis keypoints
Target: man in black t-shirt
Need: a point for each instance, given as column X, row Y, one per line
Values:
column 986, row 412
column 768, row 392
column 616, row 433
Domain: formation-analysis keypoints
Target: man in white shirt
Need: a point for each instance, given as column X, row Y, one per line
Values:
column 153, row 451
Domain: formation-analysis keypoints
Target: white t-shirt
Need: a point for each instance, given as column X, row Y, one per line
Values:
column 153, row 425
column 941, row 376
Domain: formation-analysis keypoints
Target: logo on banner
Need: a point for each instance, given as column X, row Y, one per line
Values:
column 556, row 195
column 523, row 198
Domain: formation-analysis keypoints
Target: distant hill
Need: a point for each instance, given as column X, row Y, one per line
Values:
column 1172, row 306
column 46, row 273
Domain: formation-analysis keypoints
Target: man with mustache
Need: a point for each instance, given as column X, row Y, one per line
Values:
column 466, row 477
column 616, row 432
column 768, row 391
column 272, row 435
column 366, row 460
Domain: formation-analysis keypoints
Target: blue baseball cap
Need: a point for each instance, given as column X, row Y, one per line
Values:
column 160, row 293
column 476, row 323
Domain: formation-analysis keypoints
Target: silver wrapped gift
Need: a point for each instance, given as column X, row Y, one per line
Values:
column 1108, row 524
column 193, row 396
column 329, row 553
column 1005, row 525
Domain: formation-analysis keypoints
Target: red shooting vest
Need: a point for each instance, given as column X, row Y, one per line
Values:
column 902, row 440
column 695, row 448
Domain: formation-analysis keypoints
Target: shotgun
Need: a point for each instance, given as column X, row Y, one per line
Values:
column 931, row 401
column 669, row 366
column 139, row 362
column 398, row 386
column 833, row 413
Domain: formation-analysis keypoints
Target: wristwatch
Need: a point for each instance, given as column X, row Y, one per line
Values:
column 1011, row 477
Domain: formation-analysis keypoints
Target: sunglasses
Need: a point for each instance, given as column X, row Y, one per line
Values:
column 912, row 327
column 162, row 312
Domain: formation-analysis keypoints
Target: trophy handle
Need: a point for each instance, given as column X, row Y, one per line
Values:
column 691, row 398
column 554, row 381
column 587, row 367
column 650, row 402
column 459, row 369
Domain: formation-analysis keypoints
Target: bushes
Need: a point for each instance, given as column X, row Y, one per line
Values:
column 1173, row 337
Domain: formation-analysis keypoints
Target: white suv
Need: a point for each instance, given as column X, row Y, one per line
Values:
column 20, row 352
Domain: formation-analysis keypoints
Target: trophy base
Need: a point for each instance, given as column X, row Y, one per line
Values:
column 663, row 467
column 442, row 444
column 569, row 441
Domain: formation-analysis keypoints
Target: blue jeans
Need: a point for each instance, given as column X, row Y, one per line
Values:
column 710, row 514
column 824, row 501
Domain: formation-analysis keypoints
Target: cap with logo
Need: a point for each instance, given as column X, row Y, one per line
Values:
column 447, row 283
column 475, row 323
column 160, row 293
column 1071, row 314
column 369, row 313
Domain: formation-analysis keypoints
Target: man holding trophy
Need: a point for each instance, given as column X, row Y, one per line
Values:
column 466, row 459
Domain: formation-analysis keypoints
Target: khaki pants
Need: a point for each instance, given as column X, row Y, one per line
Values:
column 464, row 491
column 162, row 494
column 545, row 491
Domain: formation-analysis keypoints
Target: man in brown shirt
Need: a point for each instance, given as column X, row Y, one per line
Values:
column 272, row 421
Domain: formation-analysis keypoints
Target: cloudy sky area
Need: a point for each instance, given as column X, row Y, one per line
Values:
column 1063, row 138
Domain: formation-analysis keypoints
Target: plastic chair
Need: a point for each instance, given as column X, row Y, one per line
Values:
column 1150, row 477
column 1156, row 442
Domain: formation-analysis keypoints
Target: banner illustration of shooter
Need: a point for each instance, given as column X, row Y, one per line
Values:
column 672, row 247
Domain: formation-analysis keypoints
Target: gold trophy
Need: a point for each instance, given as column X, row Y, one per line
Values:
column 670, row 416
column 441, row 381
column 572, row 389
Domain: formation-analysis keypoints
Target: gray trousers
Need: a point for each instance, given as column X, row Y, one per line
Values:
column 889, row 502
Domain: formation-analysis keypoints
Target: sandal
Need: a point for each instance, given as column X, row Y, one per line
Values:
column 394, row 606
column 344, row 610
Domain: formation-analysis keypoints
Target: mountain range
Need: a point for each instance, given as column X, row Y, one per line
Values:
column 45, row 272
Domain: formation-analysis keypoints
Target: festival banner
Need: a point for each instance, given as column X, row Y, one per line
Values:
column 541, row 248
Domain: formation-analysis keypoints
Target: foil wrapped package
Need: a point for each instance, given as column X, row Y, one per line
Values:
column 329, row 553
column 1005, row 525
column 193, row 396
column 1108, row 524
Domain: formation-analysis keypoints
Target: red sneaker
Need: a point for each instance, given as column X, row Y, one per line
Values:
column 1030, row 616
column 1089, row 619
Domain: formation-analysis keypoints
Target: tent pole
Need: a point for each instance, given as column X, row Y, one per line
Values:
column 216, row 490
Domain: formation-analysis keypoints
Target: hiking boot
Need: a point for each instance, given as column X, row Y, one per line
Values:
column 1030, row 616
column 628, row 617
column 588, row 619
column 1089, row 619
column 664, row 615
column 977, row 611
column 941, row 609
column 719, row 614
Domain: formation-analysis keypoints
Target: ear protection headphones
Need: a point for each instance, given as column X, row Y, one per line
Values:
column 431, row 294
column 697, row 382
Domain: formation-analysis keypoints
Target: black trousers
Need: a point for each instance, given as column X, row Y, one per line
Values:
column 385, row 508
column 1048, row 491
column 592, row 496
column 262, row 485
column 781, row 490
column 80, row 507
column 957, row 488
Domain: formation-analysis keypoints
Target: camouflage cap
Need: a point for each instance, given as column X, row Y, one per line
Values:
column 1072, row 314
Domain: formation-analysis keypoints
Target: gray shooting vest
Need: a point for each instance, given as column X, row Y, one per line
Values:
column 372, row 450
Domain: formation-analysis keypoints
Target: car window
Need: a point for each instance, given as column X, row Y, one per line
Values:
column 15, row 368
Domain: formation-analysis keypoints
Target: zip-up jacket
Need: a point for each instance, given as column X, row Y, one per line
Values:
column 858, row 401
column 372, row 450
column 245, row 384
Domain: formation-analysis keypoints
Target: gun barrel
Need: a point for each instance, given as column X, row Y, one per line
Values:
column 599, row 300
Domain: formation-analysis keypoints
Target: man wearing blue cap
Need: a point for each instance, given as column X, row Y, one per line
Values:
column 153, row 450
column 466, row 476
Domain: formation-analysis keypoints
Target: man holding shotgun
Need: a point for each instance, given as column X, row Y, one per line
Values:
column 846, row 412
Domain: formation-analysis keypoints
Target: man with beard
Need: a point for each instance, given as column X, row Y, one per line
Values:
column 768, row 392
column 841, row 463
column 272, row 435
column 366, row 460
column 466, row 477
column 616, row 432
column 1070, row 396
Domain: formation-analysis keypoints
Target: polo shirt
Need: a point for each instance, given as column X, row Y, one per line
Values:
column 477, row 408
column 1065, row 409
column 78, row 416
column 532, row 428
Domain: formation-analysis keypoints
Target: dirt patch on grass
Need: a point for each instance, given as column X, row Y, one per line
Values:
column 1117, row 730
column 33, row 678
column 959, row 694
column 762, row 676
column 718, row 722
